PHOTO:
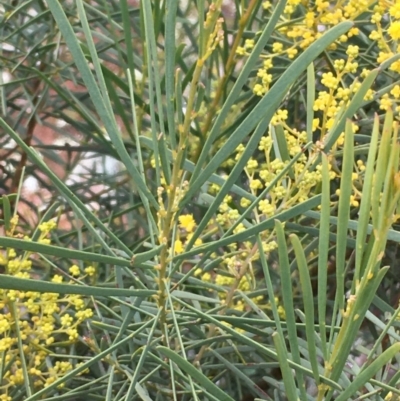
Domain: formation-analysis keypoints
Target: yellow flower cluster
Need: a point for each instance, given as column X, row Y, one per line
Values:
column 228, row 282
column 338, row 75
column 319, row 16
column 187, row 225
column 43, row 321
column 338, row 79
column 310, row 20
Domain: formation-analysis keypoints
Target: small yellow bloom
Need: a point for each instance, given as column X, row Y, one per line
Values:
column 292, row 52
column 259, row 90
column 244, row 202
column 57, row 279
column 266, row 5
column 206, row 277
column 352, row 51
column 277, row 47
column 241, row 51
column 66, row 320
column 187, row 222
column 178, row 247
column 329, row 80
column 74, row 270
column 394, row 30
column 90, row 271
column 249, row 44
column 395, row 91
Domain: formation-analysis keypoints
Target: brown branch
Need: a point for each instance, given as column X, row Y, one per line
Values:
column 29, row 132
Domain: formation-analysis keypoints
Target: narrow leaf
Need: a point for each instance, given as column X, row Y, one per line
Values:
column 195, row 374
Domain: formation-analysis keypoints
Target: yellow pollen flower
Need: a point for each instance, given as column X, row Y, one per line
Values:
column 187, row 222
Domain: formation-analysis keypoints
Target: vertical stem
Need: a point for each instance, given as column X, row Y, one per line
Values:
column 166, row 217
column 228, row 70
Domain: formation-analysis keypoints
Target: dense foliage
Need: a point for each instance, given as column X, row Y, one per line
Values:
column 197, row 200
